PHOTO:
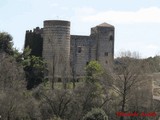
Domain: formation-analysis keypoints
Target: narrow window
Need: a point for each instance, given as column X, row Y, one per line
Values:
column 106, row 62
column 106, row 53
column 111, row 37
column 79, row 49
column 87, row 63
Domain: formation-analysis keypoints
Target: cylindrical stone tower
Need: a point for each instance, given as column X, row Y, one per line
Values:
column 56, row 47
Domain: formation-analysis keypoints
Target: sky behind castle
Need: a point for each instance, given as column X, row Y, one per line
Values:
column 137, row 22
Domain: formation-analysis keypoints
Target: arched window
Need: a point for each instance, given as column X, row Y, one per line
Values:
column 111, row 37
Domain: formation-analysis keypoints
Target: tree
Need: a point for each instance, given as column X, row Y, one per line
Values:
column 96, row 114
column 11, row 73
column 128, row 72
column 6, row 44
column 152, row 63
column 73, row 73
column 11, row 82
column 93, row 71
column 35, row 69
column 90, row 93
column 55, row 104
column 15, row 102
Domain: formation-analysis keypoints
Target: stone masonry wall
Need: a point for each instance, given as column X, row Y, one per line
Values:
column 34, row 40
column 56, row 47
column 71, row 53
column 80, row 53
column 104, row 37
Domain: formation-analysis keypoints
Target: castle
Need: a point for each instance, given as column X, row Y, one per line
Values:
column 67, row 55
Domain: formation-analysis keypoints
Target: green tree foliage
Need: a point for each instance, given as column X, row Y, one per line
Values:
column 94, row 99
column 6, row 44
column 34, row 68
column 15, row 105
column 93, row 71
column 152, row 64
column 90, row 94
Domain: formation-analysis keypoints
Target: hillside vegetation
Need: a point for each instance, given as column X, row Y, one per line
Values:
column 25, row 94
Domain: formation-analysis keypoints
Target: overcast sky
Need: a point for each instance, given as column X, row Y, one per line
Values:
column 137, row 22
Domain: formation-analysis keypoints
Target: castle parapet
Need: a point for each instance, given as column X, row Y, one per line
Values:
column 50, row 23
column 36, row 30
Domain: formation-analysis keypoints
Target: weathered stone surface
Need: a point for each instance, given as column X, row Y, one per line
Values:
column 71, row 53
column 56, row 46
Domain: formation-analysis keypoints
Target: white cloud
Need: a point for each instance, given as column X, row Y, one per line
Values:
column 143, row 15
column 64, row 8
column 153, row 47
column 84, row 11
column 54, row 5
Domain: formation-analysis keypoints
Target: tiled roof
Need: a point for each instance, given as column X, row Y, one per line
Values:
column 105, row 25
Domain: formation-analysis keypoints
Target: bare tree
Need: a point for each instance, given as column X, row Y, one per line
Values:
column 73, row 75
column 128, row 76
column 12, row 89
column 11, row 73
column 55, row 103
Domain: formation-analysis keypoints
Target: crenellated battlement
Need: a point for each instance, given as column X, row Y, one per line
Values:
column 36, row 30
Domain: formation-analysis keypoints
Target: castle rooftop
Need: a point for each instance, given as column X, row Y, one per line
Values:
column 56, row 22
column 105, row 25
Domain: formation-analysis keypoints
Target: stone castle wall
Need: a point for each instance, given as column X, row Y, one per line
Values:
column 56, row 47
column 34, row 40
column 80, row 53
column 69, row 54
column 98, row 46
column 73, row 52
column 104, row 36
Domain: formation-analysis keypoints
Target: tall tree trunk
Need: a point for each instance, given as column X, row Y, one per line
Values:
column 124, row 99
column 53, row 72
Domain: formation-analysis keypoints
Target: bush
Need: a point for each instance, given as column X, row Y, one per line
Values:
column 96, row 114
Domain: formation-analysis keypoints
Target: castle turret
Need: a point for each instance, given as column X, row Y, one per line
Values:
column 34, row 40
column 104, row 36
column 56, row 47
